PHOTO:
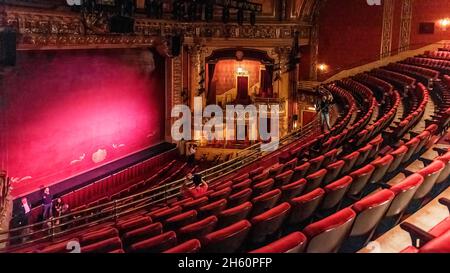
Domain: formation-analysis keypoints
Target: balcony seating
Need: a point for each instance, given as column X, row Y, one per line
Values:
column 226, row 240
column 301, row 171
column 219, row 194
column 292, row 243
column 192, row 246
column 239, row 197
column 263, row 187
column 292, row 190
column 268, row 223
column 305, row 206
column 182, row 219
column 105, row 246
column 333, row 171
column 335, row 192
column 360, row 179
column 212, row 208
column 283, row 178
column 315, row 180
column 141, row 234
column 156, row 244
column 197, row 229
column 265, row 201
column 234, row 214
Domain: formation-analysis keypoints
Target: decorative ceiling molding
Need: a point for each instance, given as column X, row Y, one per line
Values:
column 41, row 29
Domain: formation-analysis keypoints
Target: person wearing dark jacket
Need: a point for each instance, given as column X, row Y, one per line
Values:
column 47, row 203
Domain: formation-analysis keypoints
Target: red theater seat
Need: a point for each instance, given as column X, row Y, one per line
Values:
column 226, row 240
column 446, row 171
column 370, row 211
column 56, row 248
column 268, row 223
column 103, row 246
column 195, row 204
column 241, row 186
column 316, row 164
column 263, row 187
column 350, row 161
column 333, row 171
column 213, row 208
column 133, row 224
column 290, row 165
column 275, row 170
column 430, row 174
column 292, row 243
column 301, row 171
column 404, row 192
column 197, row 229
column 381, row 166
column 412, row 146
column 224, row 185
column 164, row 213
column 283, row 178
column 234, row 214
column 156, row 244
column 260, row 177
column 440, row 244
column 220, row 194
column 335, row 192
column 98, row 235
column 315, row 180
column 305, row 206
column 240, row 178
column 292, row 190
column 398, row 155
column 328, row 234
column 364, row 153
column 360, row 179
column 255, row 172
column 192, row 246
column 182, row 219
column 141, row 234
column 239, row 197
column 330, row 157
column 265, row 201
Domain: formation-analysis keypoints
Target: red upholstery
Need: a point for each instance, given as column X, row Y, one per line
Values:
column 56, row 248
column 411, row 181
column 192, row 246
column 283, row 178
column 276, row 169
column 197, row 229
column 335, row 192
column 293, row 190
column 316, row 164
column 177, row 221
column 103, row 246
column 292, row 243
column 260, row 177
column 373, row 200
column 315, row 180
column 240, row 178
column 303, row 207
column 228, row 239
column 223, row 185
column 133, row 224
column 98, row 235
column 360, row 179
column 265, row 201
column 328, row 234
column 156, row 244
column 221, row 194
column 301, row 171
column 333, row 171
column 255, row 172
column 164, row 213
column 350, row 161
column 213, row 208
column 440, row 228
column 381, row 166
column 269, row 222
column 263, row 187
column 439, row 245
column 234, row 214
column 398, row 155
column 142, row 233
column 239, row 197
column 241, row 185
column 195, row 204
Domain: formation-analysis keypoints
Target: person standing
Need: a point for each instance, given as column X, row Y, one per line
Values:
column 191, row 154
column 47, row 203
column 323, row 106
column 24, row 218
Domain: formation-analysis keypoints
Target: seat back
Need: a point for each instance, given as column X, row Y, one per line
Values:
column 239, row 197
column 265, row 201
column 263, row 187
column 283, row 178
column 370, row 211
column 315, row 180
column 316, row 164
column 241, row 186
column 335, row 192
column 398, row 155
column 363, row 154
column 156, row 244
column 333, row 171
column 220, row 194
column 195, row 204
column 328, row 234
column 191, row 246
column 197, row 229
column 350, row 161
column 301, row 171
column 446, row 172
column 360, row 179
column 430, row 174
column 404, row 192
column 105, row 246
column 292, row 190
column 164, row 213
column 412, row 146
column 182, row 219
column 234, row 214
column 292, row 243
column 305, row 206
column 440, row 244
column 213, row 208
column 381, row 166
column 228, row 239
column 268, row 223
column 140, row 234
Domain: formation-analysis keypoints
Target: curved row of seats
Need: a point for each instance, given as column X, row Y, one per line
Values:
column 442, row 55
column 257, row 206
column 440, row 65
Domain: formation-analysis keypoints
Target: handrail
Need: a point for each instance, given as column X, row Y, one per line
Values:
column 160, row 191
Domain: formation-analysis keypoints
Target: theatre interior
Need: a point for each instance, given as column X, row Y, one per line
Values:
column 106, row 144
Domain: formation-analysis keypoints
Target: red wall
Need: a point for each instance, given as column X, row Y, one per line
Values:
column 63, row 104
column 429, row 11
column 349, row 34
column 225, row 74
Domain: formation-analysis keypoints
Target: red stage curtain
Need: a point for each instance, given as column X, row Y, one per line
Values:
column 242, row 90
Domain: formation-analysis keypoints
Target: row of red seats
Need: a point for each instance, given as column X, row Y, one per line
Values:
column 440, row 65
column 399, row 80
column 416, row 71
column 442, row 55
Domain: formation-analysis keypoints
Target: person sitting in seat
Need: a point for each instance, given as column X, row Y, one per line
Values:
column 200, row 187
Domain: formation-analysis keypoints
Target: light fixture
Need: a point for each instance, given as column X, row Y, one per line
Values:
column 444, row 23
column 322, row 67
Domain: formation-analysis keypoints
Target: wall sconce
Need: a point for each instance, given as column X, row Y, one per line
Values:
column 444, row 23
column 322, row 67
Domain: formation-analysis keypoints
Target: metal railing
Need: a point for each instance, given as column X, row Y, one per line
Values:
column 57, row 227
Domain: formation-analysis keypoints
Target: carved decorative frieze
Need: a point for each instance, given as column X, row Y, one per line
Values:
column 59, row 29
column 405, row 26
column 388, row 23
